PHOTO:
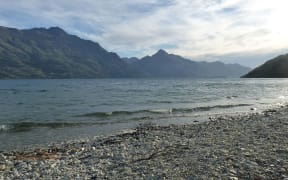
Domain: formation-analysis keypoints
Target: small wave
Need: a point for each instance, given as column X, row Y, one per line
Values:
column 13, row 91
column 208, row 108
column 42, row 90
column 281, row 97
column 224, row 106
column 171, row 102
column 159, row 111
column 106, row 114
column 4, row 127
column 27, row 126
column 280, row 104
column 231, row 97
column 117, row 113
column 16, row 91
column 162, row 102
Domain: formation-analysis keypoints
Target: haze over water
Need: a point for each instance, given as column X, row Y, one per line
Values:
column 40, row 111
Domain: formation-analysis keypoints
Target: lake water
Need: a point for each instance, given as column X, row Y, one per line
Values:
column 36, row 112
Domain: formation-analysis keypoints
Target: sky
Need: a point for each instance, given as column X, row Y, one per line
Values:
column 242, row 31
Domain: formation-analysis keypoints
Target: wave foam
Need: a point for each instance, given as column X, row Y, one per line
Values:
column 161, row 111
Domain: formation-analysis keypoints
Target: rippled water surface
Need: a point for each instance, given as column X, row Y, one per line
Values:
column 39, row 111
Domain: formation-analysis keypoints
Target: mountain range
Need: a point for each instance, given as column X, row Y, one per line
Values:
column 53, row 53
column 162, row 64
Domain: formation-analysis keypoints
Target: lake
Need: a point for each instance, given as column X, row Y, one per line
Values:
column 36, row 112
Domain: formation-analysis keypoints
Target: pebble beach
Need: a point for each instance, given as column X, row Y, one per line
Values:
column 253, row 145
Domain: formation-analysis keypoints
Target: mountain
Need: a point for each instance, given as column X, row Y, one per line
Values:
column 274, row 68
column 163, row 64
column 130, row 60
column 52, row 53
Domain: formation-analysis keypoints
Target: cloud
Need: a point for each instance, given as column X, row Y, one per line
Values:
column 192, row 28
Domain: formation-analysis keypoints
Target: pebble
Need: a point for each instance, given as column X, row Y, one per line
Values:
column 2, row 167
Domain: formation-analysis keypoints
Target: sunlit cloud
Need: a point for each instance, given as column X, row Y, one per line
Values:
column 197, row 29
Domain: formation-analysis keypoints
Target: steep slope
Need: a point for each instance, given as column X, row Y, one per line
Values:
column 163, row 64
column 52, row 53
column 274, row 68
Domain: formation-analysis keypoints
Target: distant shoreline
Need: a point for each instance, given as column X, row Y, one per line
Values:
column 247, row 146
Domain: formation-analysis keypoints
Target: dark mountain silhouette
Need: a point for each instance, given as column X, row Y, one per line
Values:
column 163, row 64
column 52, row 53
column 274, row 68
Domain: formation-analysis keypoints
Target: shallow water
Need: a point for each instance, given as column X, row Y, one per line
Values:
column 39, row 111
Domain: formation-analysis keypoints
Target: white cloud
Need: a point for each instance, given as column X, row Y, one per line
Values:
column 192, row 28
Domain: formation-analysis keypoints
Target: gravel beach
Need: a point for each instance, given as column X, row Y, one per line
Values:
column 246, row 146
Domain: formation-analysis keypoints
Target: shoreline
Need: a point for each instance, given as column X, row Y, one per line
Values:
column 247, row 146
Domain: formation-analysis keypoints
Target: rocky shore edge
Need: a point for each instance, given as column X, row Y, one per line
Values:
column 247, row 146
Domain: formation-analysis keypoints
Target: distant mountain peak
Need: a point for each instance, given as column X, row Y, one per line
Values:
column 161, row 52
column 56, row 30
column 51, row 30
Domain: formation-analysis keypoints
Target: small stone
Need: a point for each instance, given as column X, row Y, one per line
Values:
column 36, row 174
column 246, row 154
column 16, row 173
column 53, row 165
column 128, row 170
column 232, row 171
column 2, row 157
column 2, row 167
